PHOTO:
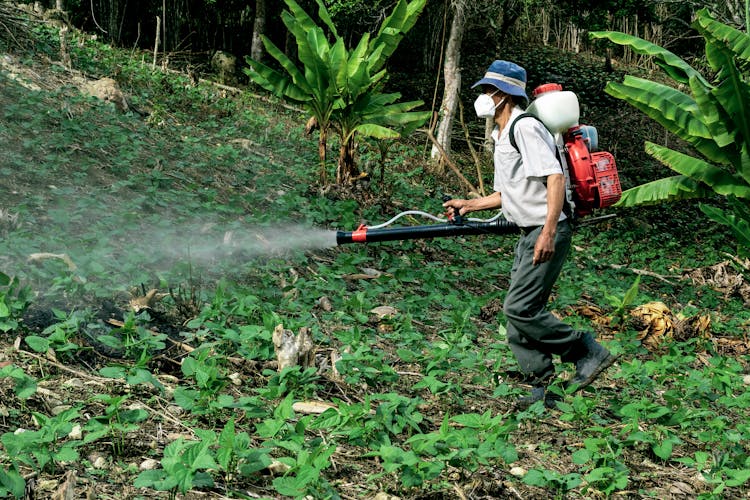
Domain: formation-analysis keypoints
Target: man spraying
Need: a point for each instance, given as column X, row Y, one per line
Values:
column 530, row 187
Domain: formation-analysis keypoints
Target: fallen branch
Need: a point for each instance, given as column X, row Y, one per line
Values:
column 643, row 272
column 744, row 264
column 34, row 257
column 64, row 368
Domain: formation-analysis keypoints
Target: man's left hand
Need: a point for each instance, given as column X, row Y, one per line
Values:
column 544, row 248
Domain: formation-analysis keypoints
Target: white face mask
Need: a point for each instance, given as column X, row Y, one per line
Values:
column 485, row 106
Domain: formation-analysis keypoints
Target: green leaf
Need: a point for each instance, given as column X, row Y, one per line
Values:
column 737, row 477
column 67, row 454
column 38, row 344
column 535, row 477
column 715, row 120
column 25, row 387
column 13, row 481
column 401, row 20
column 718, row 179
column 150, row 479
column 4, row 279
column 674, row 188
column 674, row 66
column 663, row 449
column 740, row 226
column 186, row 398
column 632, row 293
column 674, row 110
column 581, row 456
column 113, row 372
column 376, row 131
column 4, row 310
column 199, row 457
column 289, row 486
column 326, row 18
column 737, row 41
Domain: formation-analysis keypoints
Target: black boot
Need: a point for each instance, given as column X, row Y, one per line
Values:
column 594, row 360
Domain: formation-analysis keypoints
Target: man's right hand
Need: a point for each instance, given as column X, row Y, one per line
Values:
column 456, row 207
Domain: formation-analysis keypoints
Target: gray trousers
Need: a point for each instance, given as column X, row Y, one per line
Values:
column 534, row 334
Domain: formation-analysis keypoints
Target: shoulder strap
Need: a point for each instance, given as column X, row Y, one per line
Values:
column 512, row 132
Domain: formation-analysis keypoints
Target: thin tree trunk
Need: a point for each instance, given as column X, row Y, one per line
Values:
column 64, row 50
column 156, row 42
column 164, row 24
column 259, row 28
column 323, row 154
column 452, row 77
column 347, row 170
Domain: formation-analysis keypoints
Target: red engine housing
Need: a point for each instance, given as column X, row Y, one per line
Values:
column 593, row 176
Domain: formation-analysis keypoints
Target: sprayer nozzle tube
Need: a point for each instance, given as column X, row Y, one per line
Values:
column 364, row 235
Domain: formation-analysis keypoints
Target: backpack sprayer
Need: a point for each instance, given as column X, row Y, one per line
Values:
column 591, row 176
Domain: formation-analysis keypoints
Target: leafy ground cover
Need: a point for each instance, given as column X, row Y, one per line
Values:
column 148, row 258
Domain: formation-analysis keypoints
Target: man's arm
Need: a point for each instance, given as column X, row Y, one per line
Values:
column 474, row 205
column 545, row 243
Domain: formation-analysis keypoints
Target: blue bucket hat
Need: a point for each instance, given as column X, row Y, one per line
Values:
column 506, row 76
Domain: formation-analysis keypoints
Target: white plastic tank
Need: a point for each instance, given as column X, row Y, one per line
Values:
column 557, row 108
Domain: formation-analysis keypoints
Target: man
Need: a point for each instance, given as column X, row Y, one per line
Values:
column 530, row 187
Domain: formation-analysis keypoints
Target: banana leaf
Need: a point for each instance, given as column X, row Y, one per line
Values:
column 674, row 110
column 714, row 118
column 376, row 131
column 740, row 226
column 732, row 94
column 402, row 19
column 737, row 41
column 273, row 81
column 722, row 182
column 326, row 18
column 678, row 187
column 673, row 65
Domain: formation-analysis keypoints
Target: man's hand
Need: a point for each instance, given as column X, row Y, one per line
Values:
column 544, row 248
column 455, row 207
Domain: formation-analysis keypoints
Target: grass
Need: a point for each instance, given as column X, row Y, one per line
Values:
column 185, row 395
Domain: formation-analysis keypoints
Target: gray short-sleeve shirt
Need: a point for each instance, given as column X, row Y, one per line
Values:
column 520, row 176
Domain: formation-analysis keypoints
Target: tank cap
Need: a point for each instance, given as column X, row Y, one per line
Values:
column 547, row 87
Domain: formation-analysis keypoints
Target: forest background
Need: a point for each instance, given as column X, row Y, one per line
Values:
column 160, row 253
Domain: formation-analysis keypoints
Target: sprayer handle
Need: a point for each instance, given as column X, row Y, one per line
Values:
column 456, row 218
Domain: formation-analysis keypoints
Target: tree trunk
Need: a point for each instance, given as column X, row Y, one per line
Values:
column 323, row 153
column 452, row 77
column 156, row 41
column 346, row 170
column 259, row 28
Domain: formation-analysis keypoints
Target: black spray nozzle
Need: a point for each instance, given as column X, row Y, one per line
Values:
column 365, row 235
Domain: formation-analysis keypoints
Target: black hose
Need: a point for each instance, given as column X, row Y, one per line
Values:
column 365, row 235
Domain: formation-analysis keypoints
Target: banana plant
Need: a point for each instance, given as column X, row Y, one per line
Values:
column 341, row 87
column 712, row 115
